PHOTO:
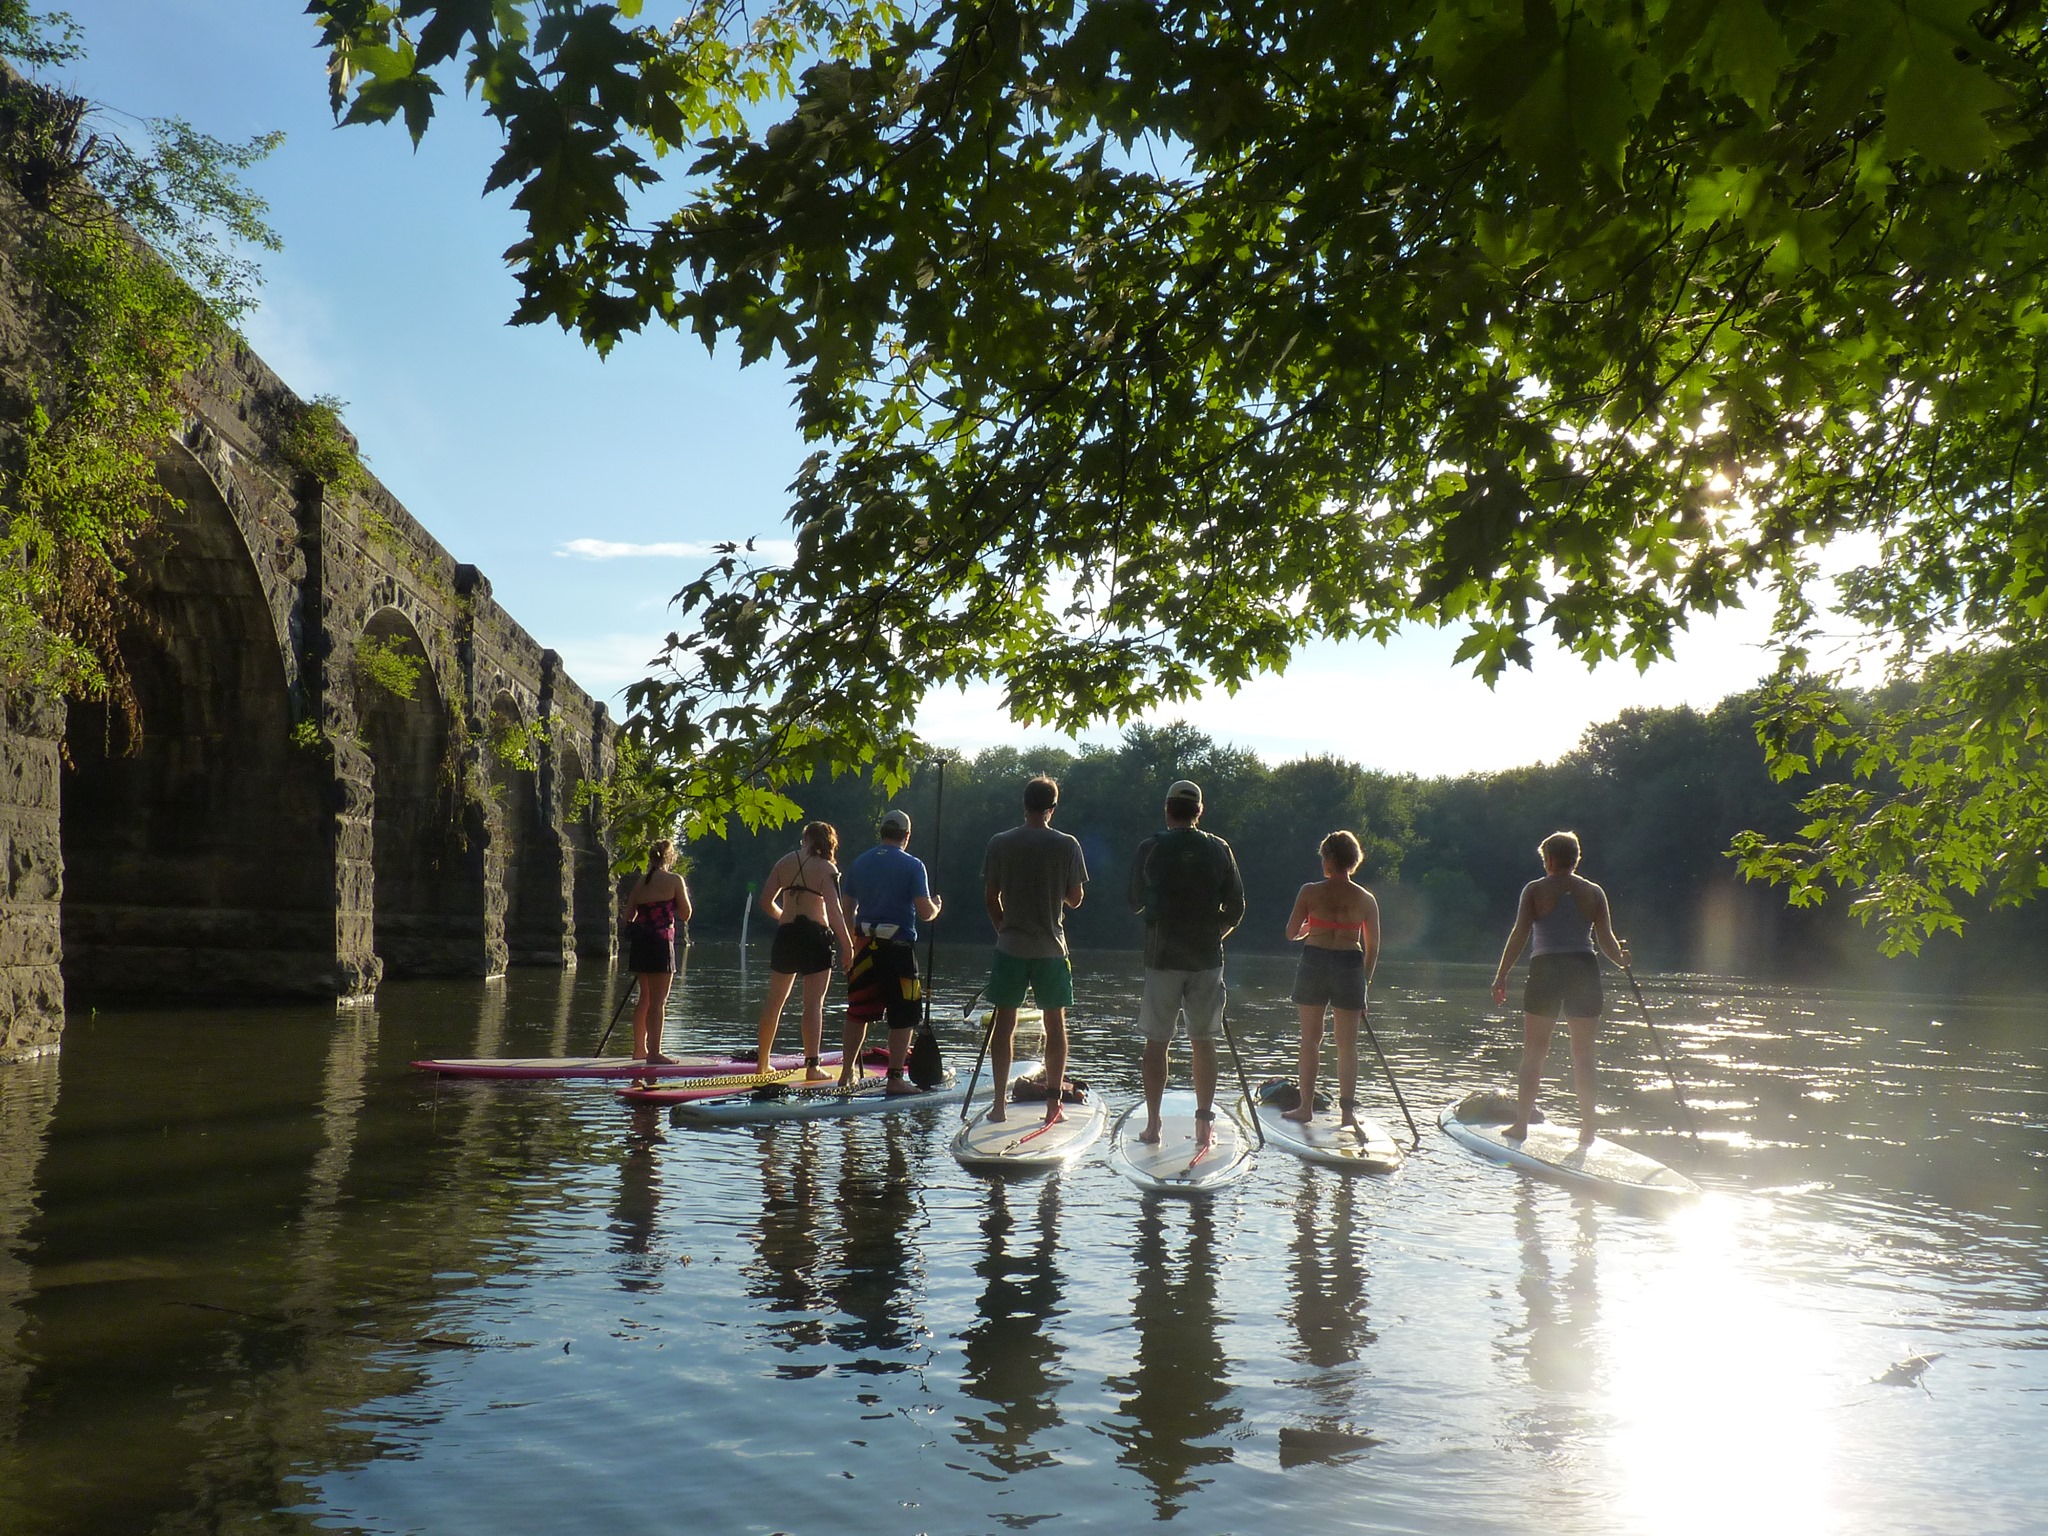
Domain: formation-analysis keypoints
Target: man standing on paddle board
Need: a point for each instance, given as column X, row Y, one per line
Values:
column 1186, row 884
column 1561, row 919
column 1030, row 876
column 885, row 893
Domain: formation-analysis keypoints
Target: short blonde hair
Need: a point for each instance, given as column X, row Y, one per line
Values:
column 1560, row 848
column 1342, row 850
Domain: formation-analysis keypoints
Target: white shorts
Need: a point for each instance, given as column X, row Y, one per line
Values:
column 1169, row 994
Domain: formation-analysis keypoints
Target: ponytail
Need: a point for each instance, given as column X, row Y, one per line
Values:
column 658, row 855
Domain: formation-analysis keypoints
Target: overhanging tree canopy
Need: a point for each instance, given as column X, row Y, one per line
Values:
column 1145, row 341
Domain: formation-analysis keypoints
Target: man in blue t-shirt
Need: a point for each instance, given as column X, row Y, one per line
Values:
column 885, row 893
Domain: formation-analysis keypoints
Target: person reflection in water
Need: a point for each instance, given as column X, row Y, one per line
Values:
column 1176, row 1399
column 658, row 906
column 639, row 1201
column 1561, row 918
column 871, row 1285
column 1012, row 1356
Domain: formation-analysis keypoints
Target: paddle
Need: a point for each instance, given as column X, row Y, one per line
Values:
column 1243, row 1082
column 973, row 1077
column 1670, row 1065
column 927, row 1069
column 617, row 1014
column 1365, row 1018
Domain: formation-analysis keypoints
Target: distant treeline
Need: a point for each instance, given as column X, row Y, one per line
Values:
column 1657, row 795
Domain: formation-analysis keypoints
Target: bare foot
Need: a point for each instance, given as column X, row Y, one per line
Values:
column 995, row 1115
column 1150, row 1135
column 1515, row 1132
column 1300, row 1116
column 817, row 1075
column 1054, row 1115
column 902, row 1085
column 1205, row 1130
column 763, row 1067
column 1587, row 1135
column 845, row 1079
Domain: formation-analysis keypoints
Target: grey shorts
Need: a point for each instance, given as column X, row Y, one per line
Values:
column 1168, row 994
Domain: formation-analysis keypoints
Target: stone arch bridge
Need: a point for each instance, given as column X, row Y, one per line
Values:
column 351, row 762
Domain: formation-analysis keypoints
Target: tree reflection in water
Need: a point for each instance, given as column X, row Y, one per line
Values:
column 1012, row 1357
column 1175, row 1399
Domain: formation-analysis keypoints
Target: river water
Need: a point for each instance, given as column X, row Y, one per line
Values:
column 257, row 1276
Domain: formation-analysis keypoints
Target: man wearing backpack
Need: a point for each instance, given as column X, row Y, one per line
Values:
column 1185, row 883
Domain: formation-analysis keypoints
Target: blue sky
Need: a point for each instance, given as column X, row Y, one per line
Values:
column 512, row 444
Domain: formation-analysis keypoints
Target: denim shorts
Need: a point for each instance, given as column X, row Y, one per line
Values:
column 1330, row 978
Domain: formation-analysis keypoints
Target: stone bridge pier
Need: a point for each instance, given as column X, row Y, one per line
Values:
column 346, row 762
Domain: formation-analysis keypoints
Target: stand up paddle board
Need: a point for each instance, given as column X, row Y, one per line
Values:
column 1024, row 1142
column 1175, row 1165
column 869, row 1095
column 1328, row 1141
column 613, row 1067
column 1602, row 1167
column 688, row 1090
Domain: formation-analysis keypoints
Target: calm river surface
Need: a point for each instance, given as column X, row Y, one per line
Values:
column 256, row 1275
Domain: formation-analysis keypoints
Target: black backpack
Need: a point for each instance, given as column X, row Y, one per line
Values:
column 1184, row 880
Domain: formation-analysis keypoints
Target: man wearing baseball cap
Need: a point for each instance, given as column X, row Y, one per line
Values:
column 1186, row 884
column 885, row 893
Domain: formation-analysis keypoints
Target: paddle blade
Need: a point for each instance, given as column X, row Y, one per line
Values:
column 926, row 1067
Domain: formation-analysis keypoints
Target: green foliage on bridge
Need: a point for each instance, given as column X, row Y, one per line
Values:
column 88, row 405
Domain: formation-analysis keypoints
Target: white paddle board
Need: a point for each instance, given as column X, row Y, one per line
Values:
column 1022, row 1140
column 1328, row 1141
column 869, row 1095
column 1175, row 1164
column 1600, row 1167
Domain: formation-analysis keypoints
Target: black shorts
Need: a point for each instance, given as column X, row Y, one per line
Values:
column 1564, row 986
column 803, row 947
column 1330, row 978
column 883, row 981
column 650, row 951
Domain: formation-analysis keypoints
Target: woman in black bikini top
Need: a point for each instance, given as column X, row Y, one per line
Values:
column 802, row 894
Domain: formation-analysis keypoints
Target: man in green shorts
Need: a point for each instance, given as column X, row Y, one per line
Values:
column 1031, row 875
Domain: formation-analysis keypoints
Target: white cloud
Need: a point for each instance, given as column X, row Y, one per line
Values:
column 779, row 550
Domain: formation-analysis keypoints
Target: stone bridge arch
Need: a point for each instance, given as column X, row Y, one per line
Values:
column 281, row 827
column 192, row 832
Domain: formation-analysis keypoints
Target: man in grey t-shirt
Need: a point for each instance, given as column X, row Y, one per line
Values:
column 1031, row 875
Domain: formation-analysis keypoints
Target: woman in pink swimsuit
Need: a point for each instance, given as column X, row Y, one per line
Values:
column 1337, row 922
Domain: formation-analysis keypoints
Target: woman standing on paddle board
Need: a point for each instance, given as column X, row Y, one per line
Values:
column 1561, row 919
column 1337, row 921
column 657, row 905
column 802, row 894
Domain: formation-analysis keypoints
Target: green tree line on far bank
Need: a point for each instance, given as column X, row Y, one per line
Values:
column 1657, row 795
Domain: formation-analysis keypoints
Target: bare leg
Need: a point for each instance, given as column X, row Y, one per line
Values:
column 771, row 1016
column 1535, row 1046
column 899, row 1056
column 1203, row 1053
column 1347, row 1065
column 1001, row 1040
column 1055, row 1063
column 649, row 1014
column 1154, row 1069
column 853, row 1040
column 1582, row 1075
column 1305, row 1069
column 815, row 986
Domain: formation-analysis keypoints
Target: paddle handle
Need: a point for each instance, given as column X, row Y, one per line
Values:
column 1365, row 1018
column 1670, row 1063
column 617, row 1013
column 1243, row 1082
